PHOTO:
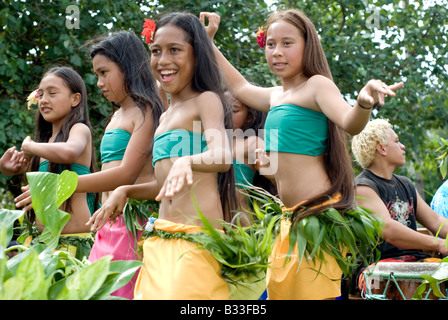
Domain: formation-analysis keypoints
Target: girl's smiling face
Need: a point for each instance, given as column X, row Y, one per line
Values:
column 172, row 59
column 285, row 46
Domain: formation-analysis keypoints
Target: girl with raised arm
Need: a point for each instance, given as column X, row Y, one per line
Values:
column 305, row 142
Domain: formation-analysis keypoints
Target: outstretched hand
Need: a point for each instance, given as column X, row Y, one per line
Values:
column 110, row 210
column 261, row 160
column 180, row 173
column 213, row 22
column 264, row 166
column 12, row 162
column 375, row 91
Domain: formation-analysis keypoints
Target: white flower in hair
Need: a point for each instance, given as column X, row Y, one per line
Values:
column 33, row 98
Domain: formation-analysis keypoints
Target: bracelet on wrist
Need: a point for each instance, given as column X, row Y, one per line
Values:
column 362, row 107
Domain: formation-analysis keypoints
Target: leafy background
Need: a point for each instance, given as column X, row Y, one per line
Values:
column 401, row 40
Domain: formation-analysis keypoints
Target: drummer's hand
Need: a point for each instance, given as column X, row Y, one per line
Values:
column 442, row 246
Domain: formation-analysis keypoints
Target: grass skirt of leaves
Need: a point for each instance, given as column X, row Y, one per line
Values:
column 245, row 251
column 350, row 237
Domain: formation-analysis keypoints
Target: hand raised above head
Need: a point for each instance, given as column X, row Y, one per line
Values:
column 213, row 22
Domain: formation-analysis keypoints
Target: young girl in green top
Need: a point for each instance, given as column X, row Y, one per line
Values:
column 121, row 64
column 192, row 165
column 63, row 141
column 312, row 161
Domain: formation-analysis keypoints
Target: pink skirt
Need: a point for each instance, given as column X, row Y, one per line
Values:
column 116, row 241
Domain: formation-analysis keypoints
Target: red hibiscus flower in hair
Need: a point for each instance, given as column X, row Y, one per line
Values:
column 148, row 30
column 261, row 40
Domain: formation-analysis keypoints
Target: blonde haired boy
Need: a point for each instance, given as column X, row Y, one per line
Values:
column 394, row 198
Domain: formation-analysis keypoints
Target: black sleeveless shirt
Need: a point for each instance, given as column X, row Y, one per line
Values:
column 400, row 198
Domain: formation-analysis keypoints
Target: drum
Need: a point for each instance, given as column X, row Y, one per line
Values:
column 398, row 280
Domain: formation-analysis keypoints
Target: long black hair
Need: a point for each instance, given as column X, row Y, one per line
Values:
column 127, row 51
column 207, row 77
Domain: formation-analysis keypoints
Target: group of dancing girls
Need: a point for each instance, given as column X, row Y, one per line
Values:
column 141, row 157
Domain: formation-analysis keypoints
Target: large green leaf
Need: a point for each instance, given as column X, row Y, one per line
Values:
column 7, row 218
column 39, row 272
column 83, row 284
column 120, row 273
column 48, row 192
column 67, row 182
column 13, row 289
column 28, row 282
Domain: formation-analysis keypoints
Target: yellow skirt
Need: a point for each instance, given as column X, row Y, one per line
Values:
column 176, row 269
column 311, row 280
column 252, row 289
column 80, row 245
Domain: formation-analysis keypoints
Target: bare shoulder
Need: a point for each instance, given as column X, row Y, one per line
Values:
column 208, row 101
column 319, row 80
column 139, row 121
column 208, row 96
column 362, row 190
column 80, row 128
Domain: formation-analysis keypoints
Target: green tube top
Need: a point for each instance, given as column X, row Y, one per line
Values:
column 294, row 129
column 113, row 145
column 177, row 143
column 80, row 170
column 244, row 175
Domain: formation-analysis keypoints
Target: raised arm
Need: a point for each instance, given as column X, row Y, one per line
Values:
column 251, row 95
column 351, row 119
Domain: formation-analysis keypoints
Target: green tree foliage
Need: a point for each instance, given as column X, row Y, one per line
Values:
column 389, row 40
column 393, row 41
column 35, row 35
